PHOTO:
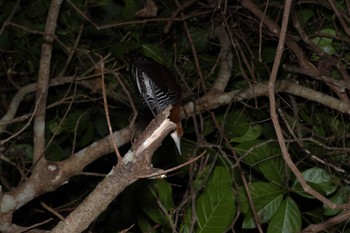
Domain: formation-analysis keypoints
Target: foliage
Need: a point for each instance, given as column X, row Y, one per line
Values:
column 238, row 139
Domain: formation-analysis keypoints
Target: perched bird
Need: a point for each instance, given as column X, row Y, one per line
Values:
column 157, row 89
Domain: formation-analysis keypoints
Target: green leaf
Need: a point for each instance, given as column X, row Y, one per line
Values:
column 54, row 152
column 340, row 197
column 325, row 43
column 55, row 126
column 275, row 170
column 145, row 225
column 236, row 124
column 150, row 205
column 257, row 151
column 262, row 194
column 251, row 134
column 287, row 219
column 318, row 179
column 215, row 207
column 165, row 196
column 155, row 52
column 264, row 210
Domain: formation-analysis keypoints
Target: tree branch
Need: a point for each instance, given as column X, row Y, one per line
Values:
column 135, row 163
column 43, row 82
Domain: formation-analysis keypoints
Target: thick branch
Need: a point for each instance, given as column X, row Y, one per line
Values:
column 135, row 163
column 213, row 101
column 225, row 60
column 43, row 80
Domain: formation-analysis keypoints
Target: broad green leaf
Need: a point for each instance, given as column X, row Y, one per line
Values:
column 325, row 43
column 185, row 227
column 236, row 124
column 262, row 194
column 154, row 213
column 316, row 175
column 319, row 180
column 257, row 151
column 150, row 205
column 251, row 134
column 155, row 52
column 340, row 197
column 264, row 210
column 215, row 207
column 165, row 196
column 56, row 127
column 287, row 219
column 275, row 170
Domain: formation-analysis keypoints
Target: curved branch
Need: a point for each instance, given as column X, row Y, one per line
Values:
column 18, row 98
column 224, row 74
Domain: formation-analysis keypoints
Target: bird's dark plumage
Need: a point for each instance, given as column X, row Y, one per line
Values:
column 157, row 88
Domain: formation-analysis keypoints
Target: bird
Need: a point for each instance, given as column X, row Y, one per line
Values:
column 157, row 89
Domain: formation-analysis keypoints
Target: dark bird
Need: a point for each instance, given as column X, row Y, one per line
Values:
column 157, row 89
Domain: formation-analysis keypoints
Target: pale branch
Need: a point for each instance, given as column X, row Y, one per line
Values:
column 19, row 97
column 43, row 83
column 135, row 163
column 55, row 175
column 8, row 118
column 225, row 70
column 212, row 101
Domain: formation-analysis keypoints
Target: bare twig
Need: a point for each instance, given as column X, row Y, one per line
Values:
column 51, row 210
column 105, row 104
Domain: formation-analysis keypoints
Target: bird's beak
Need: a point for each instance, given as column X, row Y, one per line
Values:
column 176, row 139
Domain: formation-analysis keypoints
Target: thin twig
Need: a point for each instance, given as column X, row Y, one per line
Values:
column 105, row 104
column 51, row 210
